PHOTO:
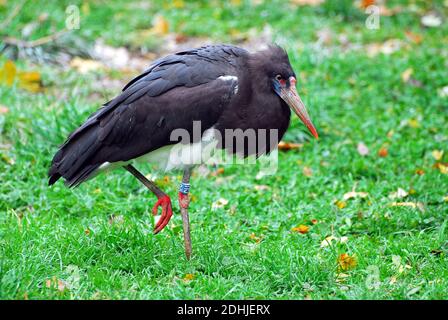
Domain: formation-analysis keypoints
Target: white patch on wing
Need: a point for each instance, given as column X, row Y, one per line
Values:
column 228, row 78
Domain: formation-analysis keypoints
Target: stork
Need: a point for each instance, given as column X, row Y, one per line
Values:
column 219, row 87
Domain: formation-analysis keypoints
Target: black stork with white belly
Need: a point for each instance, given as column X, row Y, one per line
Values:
column 221, row 87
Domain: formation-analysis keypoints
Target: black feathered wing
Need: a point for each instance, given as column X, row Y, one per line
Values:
column 171, row 94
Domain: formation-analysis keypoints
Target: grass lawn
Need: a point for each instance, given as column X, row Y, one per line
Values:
column 379, row 88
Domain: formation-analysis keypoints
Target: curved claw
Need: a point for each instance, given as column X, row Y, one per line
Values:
column 167, row 212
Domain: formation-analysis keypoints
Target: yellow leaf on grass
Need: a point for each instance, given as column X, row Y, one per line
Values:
column 8, row 73
column 189, row 277
column 161, row 25
column 179, row 4
column 26, row 80
column 255, row 238
column 413, row 123
column 347, row 262
column 340, row 204
column 301, row 229
column 437, row 154
column 443, row 168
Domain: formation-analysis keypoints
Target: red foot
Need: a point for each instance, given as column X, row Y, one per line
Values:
column 184, row 200
column 167, row 212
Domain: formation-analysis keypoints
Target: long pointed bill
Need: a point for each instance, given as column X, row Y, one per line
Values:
column 292, row 98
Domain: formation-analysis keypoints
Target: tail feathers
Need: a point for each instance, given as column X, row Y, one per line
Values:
column 73, row 159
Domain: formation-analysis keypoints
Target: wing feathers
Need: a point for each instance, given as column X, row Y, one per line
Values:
column 171, row 94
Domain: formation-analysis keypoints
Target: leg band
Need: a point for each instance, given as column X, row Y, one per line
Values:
column 184, row 188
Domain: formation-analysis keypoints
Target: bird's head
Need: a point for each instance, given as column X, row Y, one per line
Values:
column 282, row 81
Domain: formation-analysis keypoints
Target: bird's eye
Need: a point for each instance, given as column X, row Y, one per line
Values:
column 278, row 77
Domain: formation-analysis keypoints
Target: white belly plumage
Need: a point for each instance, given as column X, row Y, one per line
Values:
column 175, row 156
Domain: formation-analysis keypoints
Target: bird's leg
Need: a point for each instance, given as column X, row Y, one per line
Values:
column 184, row 201
column 163, row 199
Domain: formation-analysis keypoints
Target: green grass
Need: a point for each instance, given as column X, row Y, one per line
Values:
column 352, row 98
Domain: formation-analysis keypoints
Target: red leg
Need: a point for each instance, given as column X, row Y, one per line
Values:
column 167, row 211
column 184, row 200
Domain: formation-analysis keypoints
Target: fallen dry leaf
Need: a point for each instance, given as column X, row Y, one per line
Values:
column 399, row 194
column 340, row 204
column 255, row 238
column 417, row 205
column 8, row 73
column 437, row 154
column 442, row 167
column 347, row 262
column 383, row 152
column 307, row 171
column 328, row 241
column 414, row 37
column 220, row 203
column 30, row 81
column 160, row 25
column 301, row 229
column 217, row 172
column 362, row 149
column 354, row 194
column 420, row 172
column 261, row 187
column 188, row 277
column 286, row 146
column 406, row 75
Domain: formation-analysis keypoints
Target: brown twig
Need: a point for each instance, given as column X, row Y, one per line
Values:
column 34, row 43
